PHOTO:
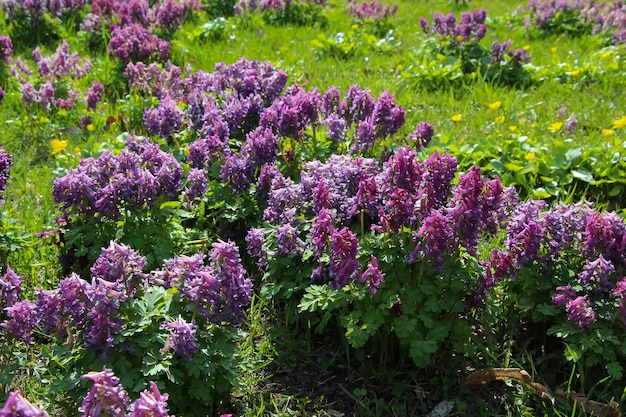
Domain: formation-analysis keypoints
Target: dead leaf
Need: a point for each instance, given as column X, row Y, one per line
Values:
column 442, row 409
column 487, row 375
column 590, row 406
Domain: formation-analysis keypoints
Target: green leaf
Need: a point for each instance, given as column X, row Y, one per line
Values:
column 582, row 174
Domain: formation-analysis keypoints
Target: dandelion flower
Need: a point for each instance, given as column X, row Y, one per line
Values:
column 457, row 118
column 605, row 55
column 513, row 128
column 608, row 132
column 495, row 105
column 574, row 73
column 526, row 47
column 91, row 127
column 555, row 127
column 621, row 122
column 459, row 38
column 500, row 119
column 553, row 49
column 58, row 145
column 530, row 156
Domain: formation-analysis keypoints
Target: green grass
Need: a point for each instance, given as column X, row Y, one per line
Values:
column 290, row 371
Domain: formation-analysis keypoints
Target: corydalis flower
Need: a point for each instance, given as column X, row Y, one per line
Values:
column 23, row 319
column 344, row 246
column 6, row 162
column 373, row 275
column 120, row 264
column 182, row 337
column 150, row 403
column 164, row 120
column 423, row 135
column 10, row 288
column 106, row 397
column 18, row 406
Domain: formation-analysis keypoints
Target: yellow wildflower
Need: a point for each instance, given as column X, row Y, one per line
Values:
column 495, row 105
column 621, row 122
column 555, row 127
column 526, row 47
column 500, row 119
column 457, row 117
column 530, row 156
column 553, row 49
column 91, row 127
column 459, row 38
column 58, row 145
column 77, row 150
column 355, row 26
column 513, row 128
column 574, row 73
column 608, row 132
column 605, row 55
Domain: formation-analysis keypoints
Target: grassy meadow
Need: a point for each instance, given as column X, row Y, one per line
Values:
column 278, row 331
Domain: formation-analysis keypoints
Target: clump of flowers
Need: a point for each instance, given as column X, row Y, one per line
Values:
column 579, row 17
column 283, row 11
column 181, row 316
column 460, row 39
column 57, row 78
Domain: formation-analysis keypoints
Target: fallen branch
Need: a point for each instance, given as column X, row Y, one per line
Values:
column 589, row 406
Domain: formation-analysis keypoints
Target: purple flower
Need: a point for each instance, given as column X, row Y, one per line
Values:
column 564, row 295
column 336, row 127
column 133, row 42
column 102, row 317
column 6, row 49
column 374, row 10
column 10, row 288
column 387, row 116
column 579, row 311
column 321, row 230
column 164, row 120
column 94, row 95
column 435, row 238
column 357, row 105
column 373, row 275
column 423, row 135
column 182, row 337
column 18, row 406
column 255, row 239
column 197, row 184
column 466, row 209
column 263, row 144
column 238, row 171
column 122, row 265
column 288, row 240
column 6, row 162
column 106, row 397
column 150, row 403
column 22, row 320
column 344, row 247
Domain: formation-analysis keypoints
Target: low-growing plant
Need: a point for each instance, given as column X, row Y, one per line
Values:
column 453, row 50
column 302, row 13
column 175, row 326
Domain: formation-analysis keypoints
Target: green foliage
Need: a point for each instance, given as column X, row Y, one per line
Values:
column 141, row 353
column 216, row 30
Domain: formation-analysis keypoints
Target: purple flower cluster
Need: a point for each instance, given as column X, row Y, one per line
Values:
column 55, row 71
column 6, row 162
column 219, row 290
column 605, row 17
column 135, row 178
column 34, row 9
column 182, row 337
column 404, row 193
column 6, row 49
column 18, row 406
column 373, row 10
column 10, row 289
column 500, row 52
column 249, row 6
column 107, row 397
column 134, row 42
column 470, row 28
